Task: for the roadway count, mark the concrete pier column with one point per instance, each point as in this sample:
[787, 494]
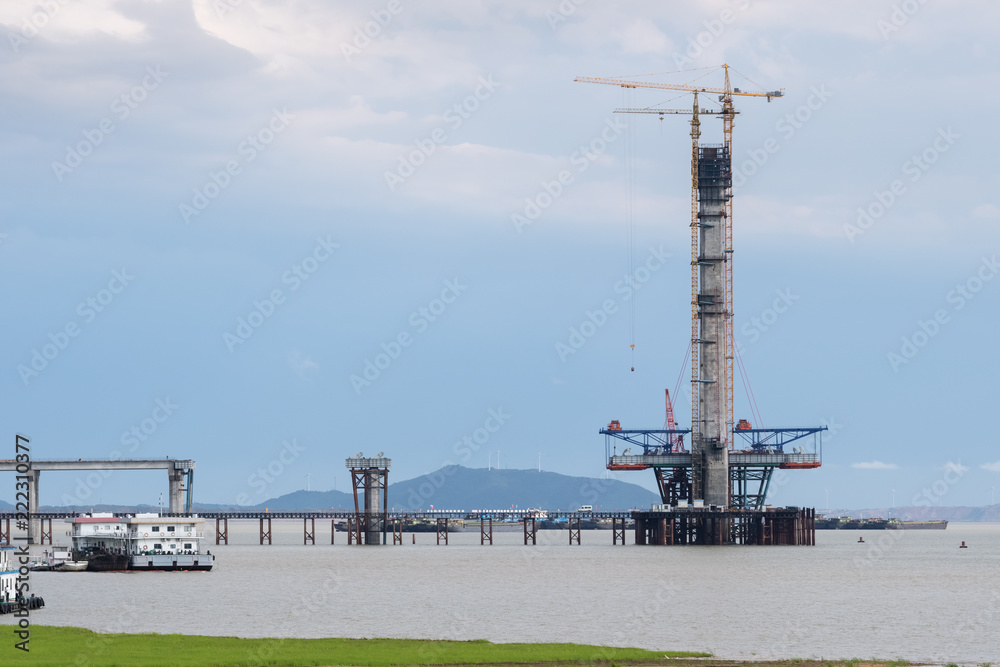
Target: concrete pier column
[373, 507]
[711, 470]
[34, 523]
[176, 490]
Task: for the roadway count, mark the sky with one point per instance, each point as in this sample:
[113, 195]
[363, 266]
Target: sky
[267, 235]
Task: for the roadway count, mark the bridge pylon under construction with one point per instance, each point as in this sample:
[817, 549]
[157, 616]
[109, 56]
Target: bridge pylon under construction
[716, 493]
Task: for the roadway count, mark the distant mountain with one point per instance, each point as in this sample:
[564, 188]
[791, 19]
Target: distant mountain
[456, 487]
[310, 500]
[5, 506]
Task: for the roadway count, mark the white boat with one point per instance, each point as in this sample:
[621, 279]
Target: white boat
[12, 594]
[140, 542]
[8, 574]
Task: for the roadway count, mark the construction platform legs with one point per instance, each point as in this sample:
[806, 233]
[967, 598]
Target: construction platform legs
[485, 531]
[787, 526]
[530, 531]
[616, 532]
[574, 530]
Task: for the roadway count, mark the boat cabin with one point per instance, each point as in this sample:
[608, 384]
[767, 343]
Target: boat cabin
[153, 534]
[8, 574]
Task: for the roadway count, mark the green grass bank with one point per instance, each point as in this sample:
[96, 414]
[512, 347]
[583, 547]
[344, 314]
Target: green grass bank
[66, 647]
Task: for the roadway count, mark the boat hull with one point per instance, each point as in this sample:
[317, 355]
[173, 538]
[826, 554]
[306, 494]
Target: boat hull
[920, 525]
[172, 562]
[108, 563]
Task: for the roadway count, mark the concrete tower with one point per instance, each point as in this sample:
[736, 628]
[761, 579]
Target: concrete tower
[710, 454]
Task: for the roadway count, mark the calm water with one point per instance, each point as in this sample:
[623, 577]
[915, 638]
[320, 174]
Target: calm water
[917, 596]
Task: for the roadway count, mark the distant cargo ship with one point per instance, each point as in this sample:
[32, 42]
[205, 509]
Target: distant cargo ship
[878, 523]
[918, 525]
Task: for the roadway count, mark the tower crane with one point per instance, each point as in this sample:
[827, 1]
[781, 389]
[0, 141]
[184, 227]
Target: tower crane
[727, 113]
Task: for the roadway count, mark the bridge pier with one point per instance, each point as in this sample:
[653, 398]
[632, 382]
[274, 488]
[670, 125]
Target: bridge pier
[176, 490]
[34, 523]
[574, 533]
[224, 533]
[485, 532]
[5, 534]
[442, 529]
[530, 533]
[617, 533]
[308, 533]
[371, 477]
[265, 534]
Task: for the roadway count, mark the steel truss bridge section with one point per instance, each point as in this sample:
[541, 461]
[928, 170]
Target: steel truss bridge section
[775, 439]
[766, 447]
[750, 469]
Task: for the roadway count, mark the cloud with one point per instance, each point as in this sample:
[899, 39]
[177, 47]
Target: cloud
[992, 467]
[986, 212]
[874, 465]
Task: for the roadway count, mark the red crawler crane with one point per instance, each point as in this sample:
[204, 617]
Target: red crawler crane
[676, 440]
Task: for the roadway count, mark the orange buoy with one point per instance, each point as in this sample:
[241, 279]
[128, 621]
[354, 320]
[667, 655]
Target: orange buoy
[861, 540]
[963, 545]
